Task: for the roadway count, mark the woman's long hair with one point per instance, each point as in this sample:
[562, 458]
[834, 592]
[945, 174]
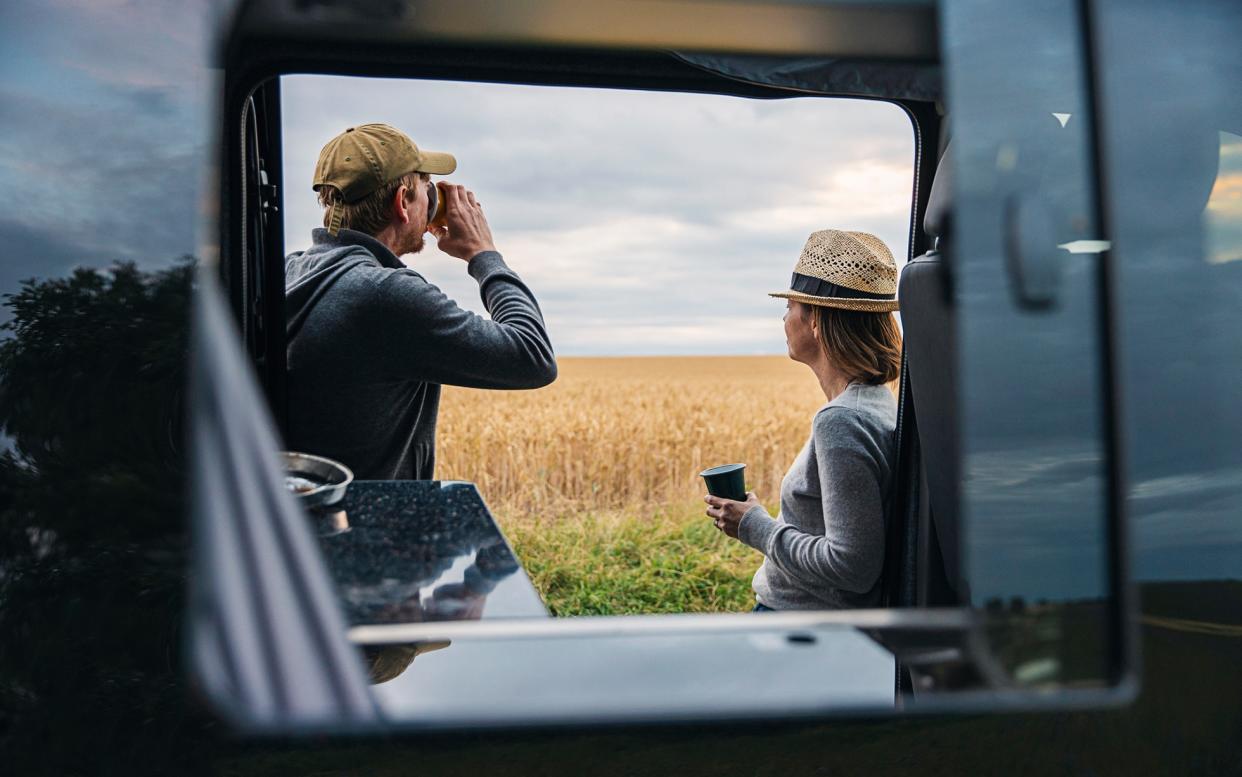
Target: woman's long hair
[864, 346]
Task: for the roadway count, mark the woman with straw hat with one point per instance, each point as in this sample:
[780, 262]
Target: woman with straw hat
[826, 548]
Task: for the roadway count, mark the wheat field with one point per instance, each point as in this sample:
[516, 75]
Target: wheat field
[594, 479]
[627, 433]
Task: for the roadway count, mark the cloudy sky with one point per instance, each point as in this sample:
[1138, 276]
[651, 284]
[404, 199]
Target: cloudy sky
[86, 111]
[645, 223]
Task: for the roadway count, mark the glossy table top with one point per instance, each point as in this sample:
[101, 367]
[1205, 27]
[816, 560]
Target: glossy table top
[419, 551]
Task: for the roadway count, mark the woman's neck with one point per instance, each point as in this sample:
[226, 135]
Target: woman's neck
[831, 381]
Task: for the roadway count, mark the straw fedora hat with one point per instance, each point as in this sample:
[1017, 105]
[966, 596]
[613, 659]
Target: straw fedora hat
[849, 270]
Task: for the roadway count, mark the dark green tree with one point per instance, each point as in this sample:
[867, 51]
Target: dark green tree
[93, 530]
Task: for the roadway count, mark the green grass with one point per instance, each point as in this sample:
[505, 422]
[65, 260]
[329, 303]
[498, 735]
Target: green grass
[621, 564]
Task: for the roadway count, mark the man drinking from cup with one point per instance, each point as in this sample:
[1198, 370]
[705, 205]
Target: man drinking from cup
[370, 341]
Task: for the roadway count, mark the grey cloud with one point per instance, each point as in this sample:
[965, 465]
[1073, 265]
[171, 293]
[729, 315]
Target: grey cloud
[97, 38]
[149, 157]
[1195, 513]
[634, 210]
[124, 188]
[33, 253]
[1034, 521]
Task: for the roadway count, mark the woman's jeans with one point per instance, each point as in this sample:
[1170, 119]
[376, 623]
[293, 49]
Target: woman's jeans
[762, 608]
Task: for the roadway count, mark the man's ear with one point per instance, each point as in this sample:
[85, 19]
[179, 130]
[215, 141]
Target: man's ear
[400, 206]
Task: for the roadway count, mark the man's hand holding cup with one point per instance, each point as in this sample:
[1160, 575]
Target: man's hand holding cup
[465, 233]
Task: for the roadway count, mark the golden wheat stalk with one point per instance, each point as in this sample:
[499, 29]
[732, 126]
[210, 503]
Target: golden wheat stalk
[627, 433]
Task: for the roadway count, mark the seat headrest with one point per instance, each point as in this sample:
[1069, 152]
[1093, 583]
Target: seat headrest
[938, 203]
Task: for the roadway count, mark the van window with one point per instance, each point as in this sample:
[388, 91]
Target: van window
[649, 226]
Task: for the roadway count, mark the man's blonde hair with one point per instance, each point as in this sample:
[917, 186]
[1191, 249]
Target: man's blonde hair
[371, 213]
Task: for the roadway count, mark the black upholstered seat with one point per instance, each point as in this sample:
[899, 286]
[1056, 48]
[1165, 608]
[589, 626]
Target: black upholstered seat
[928, 322]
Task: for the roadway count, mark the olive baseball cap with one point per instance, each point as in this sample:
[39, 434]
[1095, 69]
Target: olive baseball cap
[362, 159]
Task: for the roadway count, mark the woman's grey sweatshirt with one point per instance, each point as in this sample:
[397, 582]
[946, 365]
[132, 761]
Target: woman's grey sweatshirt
[370, 341]
[826, 550]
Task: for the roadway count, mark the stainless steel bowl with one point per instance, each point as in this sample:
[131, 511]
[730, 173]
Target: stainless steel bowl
[318, 483]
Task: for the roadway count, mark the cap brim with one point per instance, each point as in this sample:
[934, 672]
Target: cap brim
[436, 163]
[844, 303]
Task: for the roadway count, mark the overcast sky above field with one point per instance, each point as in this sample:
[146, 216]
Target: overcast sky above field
[645, 223]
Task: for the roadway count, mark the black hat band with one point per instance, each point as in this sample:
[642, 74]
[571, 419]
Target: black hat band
[817, 287]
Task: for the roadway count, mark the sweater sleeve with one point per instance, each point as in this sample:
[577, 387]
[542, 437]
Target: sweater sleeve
[430, 338]
[850, 553]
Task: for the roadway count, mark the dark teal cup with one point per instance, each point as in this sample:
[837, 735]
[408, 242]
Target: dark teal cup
[727, 481]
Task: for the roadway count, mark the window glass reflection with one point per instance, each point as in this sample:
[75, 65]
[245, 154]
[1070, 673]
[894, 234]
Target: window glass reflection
[1223, 215]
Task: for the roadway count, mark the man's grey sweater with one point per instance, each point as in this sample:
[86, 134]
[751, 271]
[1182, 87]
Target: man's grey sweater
[370, 341]
[826, 550]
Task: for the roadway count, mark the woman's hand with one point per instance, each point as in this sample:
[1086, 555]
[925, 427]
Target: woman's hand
[728, 513]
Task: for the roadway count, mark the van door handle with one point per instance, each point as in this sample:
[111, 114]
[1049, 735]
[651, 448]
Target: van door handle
[1035, 263]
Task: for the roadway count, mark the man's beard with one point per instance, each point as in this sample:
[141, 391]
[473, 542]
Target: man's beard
[412, 246]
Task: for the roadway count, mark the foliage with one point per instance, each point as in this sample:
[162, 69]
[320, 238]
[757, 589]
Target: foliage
[92, 535]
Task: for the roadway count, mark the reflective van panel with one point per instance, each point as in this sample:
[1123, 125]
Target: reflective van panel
[1174, 165]
[1026, 258]
[104, 139]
